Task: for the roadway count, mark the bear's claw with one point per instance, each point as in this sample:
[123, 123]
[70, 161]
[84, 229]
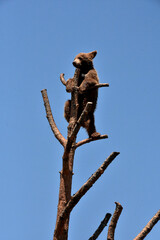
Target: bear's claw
[95, 135]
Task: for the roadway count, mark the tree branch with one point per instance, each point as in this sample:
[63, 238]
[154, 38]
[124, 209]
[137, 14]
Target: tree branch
[62, 79]
[88, 140]
[50, 118]
[80, 120]
[148, 227]
[102, 225]
[76, 128]
[100, 85]
[81, 192]
[114, 220]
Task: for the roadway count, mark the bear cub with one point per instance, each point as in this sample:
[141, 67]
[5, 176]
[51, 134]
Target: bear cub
[87, 79]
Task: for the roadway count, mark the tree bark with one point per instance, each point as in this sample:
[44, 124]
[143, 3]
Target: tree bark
[114, 220]
[148, 227]
[102, 225]
[61, 233]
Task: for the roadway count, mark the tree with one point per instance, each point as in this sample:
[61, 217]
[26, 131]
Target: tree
[67, 201]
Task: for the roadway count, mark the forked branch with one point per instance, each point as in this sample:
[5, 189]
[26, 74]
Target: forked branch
[102, 225]
[148, 227]
[50, 118]
[114, 220]
[82, 191]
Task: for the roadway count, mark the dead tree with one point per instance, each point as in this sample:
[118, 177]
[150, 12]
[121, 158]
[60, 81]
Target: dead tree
[67, 201]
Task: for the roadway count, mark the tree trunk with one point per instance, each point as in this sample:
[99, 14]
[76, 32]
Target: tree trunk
[61, 233]
[64, 197]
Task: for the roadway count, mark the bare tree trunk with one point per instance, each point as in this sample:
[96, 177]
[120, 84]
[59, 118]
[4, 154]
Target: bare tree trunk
[66, 174]
[64, 197]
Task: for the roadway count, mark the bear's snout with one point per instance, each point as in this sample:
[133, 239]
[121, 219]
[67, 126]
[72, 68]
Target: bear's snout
[73, 63]
[76, 62]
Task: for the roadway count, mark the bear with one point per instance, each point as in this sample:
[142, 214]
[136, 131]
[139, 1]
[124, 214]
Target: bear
[88, 78]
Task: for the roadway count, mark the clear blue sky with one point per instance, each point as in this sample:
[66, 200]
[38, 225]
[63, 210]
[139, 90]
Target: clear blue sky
[39, 40]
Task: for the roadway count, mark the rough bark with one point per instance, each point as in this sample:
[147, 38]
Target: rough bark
[148, 227]
[88, 140]
[82, 191]
[61, 230]
[102, 225]
[114, 220]
[50, 118]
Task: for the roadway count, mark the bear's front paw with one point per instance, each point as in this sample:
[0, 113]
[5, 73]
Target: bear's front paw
[95, 135]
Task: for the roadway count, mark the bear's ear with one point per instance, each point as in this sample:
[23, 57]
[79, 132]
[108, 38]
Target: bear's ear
[92, 54]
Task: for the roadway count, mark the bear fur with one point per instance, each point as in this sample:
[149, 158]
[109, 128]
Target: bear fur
[87, 79]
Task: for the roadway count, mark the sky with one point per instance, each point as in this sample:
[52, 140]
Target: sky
[38, 41]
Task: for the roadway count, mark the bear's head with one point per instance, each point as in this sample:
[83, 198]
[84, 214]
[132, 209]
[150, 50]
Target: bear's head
[84, 60]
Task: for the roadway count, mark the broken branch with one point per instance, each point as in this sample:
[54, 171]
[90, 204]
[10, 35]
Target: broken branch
[102, 225]
[114, 220]
[62, 79]
[50, 118]
[100, 85]
[148, 227]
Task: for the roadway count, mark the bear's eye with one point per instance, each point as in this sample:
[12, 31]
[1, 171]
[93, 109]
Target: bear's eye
[80, 58]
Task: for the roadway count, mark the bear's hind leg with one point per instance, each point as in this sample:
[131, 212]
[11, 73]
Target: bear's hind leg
[90, 127]
[67, 110]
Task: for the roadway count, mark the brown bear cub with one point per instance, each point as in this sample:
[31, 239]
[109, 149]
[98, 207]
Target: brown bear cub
[88, 78]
